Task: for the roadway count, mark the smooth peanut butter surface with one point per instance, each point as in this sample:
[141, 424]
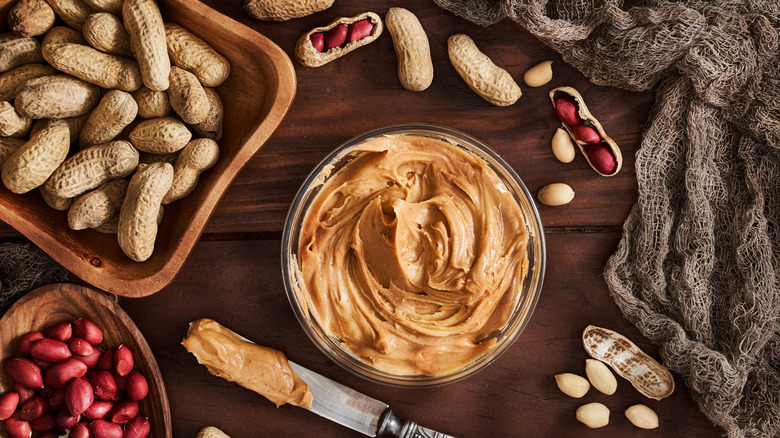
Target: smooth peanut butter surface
[231, 357]
[413, 255]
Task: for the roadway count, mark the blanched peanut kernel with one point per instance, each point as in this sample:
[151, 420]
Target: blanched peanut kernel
[572, 384]
[593, 415]
[642, 417]
[539, 74]
[600, 376]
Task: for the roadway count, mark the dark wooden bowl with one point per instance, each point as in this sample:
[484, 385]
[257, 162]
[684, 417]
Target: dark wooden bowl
[256, 96]
[48, 305]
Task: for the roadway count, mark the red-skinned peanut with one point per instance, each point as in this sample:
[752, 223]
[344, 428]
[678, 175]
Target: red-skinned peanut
[335, 37]
[34, 408]
[602, 158]
[49, 350]
[24, 371]
[44, 423]
[566, 110]
[8, 403]
[17, 428]
[123, 360]
[318, 41]
[138, 427]
[359, 30]
[100, 409]
[65, 419]
[57, 399]
[80, 430]
[61, 332]
[93, 359]
[25, 342]
[586, 134]
[24, 392]
[104, 385]
[136, 386]
[88, 331]
[80, 347]
[106, 362]
[124, 411]
[61, 373]
[105, 429]
[79, 396]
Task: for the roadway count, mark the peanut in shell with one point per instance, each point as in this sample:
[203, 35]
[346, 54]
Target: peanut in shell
[144, 25]
[106, 32]
[589, 121]
[283, 10]
[309, 56]
[415, 68]
[489, 81]
[191, 53]
[56, 97]
[137, 228]
[32, 164]
[31, 17]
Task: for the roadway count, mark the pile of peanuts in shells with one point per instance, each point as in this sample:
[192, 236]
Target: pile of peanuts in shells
[135, 93]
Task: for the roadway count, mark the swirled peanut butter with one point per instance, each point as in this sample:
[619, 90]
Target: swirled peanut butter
[230, 356]
[413, 255]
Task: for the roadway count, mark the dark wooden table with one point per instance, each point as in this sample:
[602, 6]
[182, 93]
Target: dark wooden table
[234, 275]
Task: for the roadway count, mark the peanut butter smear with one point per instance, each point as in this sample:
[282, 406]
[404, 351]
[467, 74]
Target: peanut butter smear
[413, 255]
[263, 370]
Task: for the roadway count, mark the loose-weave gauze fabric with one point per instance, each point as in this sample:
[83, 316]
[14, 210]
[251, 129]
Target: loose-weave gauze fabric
[698, 266]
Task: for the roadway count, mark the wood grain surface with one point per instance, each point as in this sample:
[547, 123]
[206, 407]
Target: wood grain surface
[234, 276]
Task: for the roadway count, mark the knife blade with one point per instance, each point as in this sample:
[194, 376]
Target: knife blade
[357, 411]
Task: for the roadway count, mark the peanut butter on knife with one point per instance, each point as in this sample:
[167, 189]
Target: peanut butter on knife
[234, 358]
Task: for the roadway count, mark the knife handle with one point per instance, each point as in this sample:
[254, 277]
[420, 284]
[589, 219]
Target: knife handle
[390, 425]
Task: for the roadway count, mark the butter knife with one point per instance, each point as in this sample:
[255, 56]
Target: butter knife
[357, 411]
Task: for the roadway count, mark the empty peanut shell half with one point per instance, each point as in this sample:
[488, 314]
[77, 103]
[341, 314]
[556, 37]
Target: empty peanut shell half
[648, 376]
[323, 44]
[601, 152]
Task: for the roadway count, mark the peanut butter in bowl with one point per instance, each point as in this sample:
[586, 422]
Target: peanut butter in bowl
[413, 255]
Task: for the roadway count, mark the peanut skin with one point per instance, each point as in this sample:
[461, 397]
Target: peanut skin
[195, 55]
[137, 229]
[196, 157]
[491, 82]
[58, 203]
[276, 10]
[415, 68]
[145, 26]
[33, 163]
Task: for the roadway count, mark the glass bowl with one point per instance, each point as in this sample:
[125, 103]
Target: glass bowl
[331, 344]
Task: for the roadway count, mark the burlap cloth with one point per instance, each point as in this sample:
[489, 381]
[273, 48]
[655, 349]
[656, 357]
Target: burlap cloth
[24, 267]
[698, 266]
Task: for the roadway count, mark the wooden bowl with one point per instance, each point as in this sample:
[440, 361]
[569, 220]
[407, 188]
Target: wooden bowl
[256, 96]
[51, 304]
